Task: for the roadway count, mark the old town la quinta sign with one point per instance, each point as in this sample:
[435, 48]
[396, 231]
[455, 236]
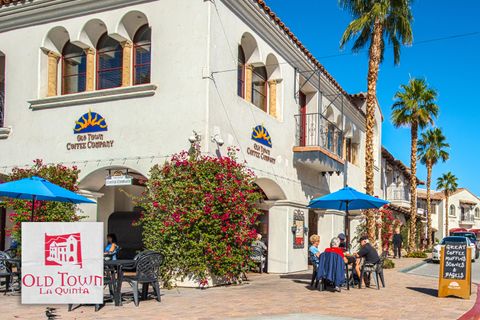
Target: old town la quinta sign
[261, 149]
[62, 262]
[89, 130]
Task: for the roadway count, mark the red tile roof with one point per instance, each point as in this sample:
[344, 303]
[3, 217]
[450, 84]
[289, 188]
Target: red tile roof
[291, 35]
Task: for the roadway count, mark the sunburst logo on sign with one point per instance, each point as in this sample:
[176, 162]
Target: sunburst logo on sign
[261, 135]
[90, 122]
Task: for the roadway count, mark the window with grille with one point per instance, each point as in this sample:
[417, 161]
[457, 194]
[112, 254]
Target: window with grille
[2, 89]
[74, 69]
[241, 73]
[109, 63]
[259, 87]
[142, 46]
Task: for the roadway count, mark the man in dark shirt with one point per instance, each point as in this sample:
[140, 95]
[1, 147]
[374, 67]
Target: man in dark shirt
[367, 252]
[397, 244]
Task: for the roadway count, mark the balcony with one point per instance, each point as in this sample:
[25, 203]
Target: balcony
[319, 143]
[398, 196]
[467, 219]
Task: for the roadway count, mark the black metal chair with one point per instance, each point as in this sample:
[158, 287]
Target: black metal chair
[314, 282]
[107, 281]
[258, 256]
[147, 268]
[6, 271]
[376, 269]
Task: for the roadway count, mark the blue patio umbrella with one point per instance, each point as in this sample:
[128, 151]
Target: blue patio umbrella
[36, 188]
[346, 199]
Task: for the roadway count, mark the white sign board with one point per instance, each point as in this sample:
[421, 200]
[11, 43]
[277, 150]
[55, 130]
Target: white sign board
[118, 181]
[62, 262]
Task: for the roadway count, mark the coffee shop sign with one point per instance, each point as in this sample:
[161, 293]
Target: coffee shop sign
[263, 144]
[89, 130]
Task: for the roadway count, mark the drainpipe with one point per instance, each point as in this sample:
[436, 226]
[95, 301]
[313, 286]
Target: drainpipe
[207, 75]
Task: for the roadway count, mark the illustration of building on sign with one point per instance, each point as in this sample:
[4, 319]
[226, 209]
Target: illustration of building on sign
[61, 250]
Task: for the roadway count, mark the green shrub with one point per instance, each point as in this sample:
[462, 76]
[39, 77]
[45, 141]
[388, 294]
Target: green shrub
[388, 264]
[200, 212]
[45, 211]
[416, 254]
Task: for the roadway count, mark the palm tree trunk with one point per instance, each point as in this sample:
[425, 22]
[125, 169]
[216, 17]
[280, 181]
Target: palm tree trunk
[429, 214]
[413, 187]
[446, 215]
[374, 62]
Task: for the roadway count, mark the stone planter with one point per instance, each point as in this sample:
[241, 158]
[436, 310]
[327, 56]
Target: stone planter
[192, 282]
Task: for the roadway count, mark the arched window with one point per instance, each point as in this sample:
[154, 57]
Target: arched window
[241, 73]
[2, 88]
[259, 87]
[109, 62]
[452, 210]
[142, 48]
[74, 69]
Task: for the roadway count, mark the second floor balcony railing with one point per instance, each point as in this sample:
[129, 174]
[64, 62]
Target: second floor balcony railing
[2, 106]
[398, 194]
[314, 130]
[467, 217]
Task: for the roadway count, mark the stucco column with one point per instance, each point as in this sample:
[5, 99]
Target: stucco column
[272, 95]
[127, 63]
[52, 73]
[90, 69]
[248, 82]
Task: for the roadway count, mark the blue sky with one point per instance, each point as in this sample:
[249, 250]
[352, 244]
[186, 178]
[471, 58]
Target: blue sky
[451, 66]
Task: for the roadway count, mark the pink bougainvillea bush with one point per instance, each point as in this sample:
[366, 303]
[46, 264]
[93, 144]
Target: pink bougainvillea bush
[45, 211]
[200, 212]
[388, 226]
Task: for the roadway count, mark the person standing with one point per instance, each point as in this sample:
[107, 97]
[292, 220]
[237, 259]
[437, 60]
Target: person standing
[397, 244]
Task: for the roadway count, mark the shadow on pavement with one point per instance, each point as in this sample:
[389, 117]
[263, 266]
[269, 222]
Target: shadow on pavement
[429, 291]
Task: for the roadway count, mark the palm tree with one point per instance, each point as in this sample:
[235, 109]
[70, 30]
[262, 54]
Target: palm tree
[448, 184]
[431, 149]
[415, 108]
[375, 23]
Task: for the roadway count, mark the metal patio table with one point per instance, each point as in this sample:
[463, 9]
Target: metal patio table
[116, 268]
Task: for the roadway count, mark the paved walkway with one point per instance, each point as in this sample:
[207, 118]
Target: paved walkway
[286, 297]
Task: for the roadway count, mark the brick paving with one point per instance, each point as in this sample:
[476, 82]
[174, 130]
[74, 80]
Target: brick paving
[267, 296]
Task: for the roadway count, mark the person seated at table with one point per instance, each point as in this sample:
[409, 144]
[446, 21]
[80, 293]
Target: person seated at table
[110, 251]
[313, 250]
[343, 242]
[258, 243]
[367, 252]
[335, 248]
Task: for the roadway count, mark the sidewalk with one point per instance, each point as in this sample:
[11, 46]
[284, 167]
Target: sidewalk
[269, 296]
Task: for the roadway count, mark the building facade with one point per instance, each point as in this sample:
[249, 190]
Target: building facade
[463, 211]
[116, 86]
[396, 187]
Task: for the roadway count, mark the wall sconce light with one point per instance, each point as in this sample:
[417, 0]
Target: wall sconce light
[294, 229]
[218, 140]
[305, 230]
[195, 137]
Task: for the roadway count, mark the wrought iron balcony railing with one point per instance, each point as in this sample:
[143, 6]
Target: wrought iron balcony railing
[314, 130]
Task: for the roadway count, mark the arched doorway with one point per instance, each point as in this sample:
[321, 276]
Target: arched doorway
[115, 187]
[271, 192]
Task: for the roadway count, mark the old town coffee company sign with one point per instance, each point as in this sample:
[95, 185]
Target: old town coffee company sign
[90, 131]
[262, 144]
[62, 262]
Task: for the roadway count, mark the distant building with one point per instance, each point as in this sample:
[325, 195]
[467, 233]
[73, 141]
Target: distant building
[463, 211]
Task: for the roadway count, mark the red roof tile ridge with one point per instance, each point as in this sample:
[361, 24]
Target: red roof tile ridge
[294, 38]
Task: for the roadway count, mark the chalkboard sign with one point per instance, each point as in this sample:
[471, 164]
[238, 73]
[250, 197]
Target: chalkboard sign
[455, 260]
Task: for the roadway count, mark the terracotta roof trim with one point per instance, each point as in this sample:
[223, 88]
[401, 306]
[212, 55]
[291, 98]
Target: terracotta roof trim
[300, 45]
[392, 160]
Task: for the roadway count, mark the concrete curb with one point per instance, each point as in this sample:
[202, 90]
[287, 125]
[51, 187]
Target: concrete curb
[410, 268]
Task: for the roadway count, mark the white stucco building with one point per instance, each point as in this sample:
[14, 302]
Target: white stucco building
[463, 211]
[118, 85]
